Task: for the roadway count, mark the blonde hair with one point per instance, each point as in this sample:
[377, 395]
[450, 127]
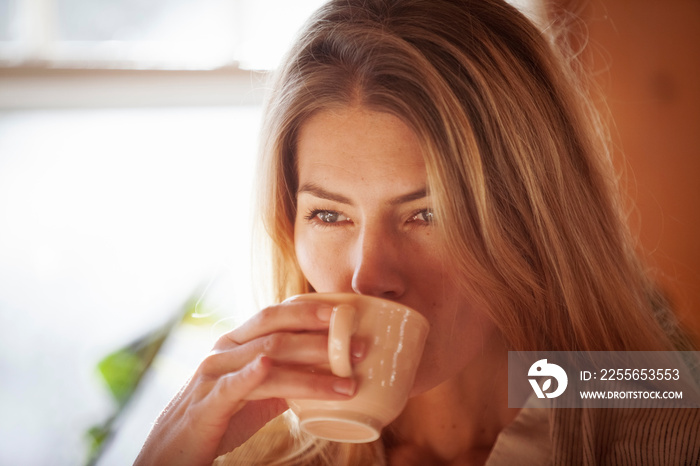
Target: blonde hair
[518, 167]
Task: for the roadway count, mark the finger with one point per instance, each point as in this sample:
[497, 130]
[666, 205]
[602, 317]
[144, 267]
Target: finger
[232, 390]
[282, 348]
[201, 422]
[291, 316]
[299, 349]
[287, 382]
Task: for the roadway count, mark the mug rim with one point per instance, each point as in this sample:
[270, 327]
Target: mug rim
[328, 296]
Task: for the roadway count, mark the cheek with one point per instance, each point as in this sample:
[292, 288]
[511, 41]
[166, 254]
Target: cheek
[319, 262]
[307, 258]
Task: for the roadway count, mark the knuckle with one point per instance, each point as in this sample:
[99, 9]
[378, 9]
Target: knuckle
[266, 316]
[226, 384]
[210, 363]
[271, 344]
[224, 341]
[321, 386]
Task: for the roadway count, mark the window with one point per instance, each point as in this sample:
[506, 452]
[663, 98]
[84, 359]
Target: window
[160, 34]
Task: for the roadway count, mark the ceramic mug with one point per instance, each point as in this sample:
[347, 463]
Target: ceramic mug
[394, 336]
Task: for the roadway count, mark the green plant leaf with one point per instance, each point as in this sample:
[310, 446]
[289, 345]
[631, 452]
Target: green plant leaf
[123, 369]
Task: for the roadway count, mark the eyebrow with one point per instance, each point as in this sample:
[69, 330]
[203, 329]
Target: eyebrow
[317, 191]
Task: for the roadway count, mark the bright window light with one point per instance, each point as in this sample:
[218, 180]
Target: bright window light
[162, 34]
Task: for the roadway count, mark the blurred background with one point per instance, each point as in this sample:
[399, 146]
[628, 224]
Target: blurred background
[128, 134]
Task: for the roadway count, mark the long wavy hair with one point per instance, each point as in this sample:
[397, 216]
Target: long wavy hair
[518, 164]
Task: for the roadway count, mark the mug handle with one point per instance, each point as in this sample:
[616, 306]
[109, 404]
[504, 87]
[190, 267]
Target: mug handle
[342, 326]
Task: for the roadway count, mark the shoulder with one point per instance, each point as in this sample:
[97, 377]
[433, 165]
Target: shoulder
[622, 436]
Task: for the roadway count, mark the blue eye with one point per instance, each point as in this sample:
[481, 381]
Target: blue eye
[425, 216]
[328, 217]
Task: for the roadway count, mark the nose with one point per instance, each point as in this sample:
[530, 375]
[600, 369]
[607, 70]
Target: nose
[377, 267]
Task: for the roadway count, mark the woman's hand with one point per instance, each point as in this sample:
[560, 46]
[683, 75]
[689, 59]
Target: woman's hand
[243, 382]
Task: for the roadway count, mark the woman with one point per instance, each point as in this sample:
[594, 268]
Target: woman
[436, 153]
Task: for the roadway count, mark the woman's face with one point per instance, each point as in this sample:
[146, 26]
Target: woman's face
[364, 224]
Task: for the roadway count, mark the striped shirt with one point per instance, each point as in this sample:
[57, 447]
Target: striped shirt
[589, 436]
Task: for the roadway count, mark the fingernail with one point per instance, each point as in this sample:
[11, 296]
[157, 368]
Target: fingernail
[345, 386]
[324, 313]
[357, 350]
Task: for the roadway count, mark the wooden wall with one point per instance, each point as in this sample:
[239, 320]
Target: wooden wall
[647, 54]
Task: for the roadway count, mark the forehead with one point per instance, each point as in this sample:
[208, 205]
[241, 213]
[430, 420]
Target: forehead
[359, 145]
